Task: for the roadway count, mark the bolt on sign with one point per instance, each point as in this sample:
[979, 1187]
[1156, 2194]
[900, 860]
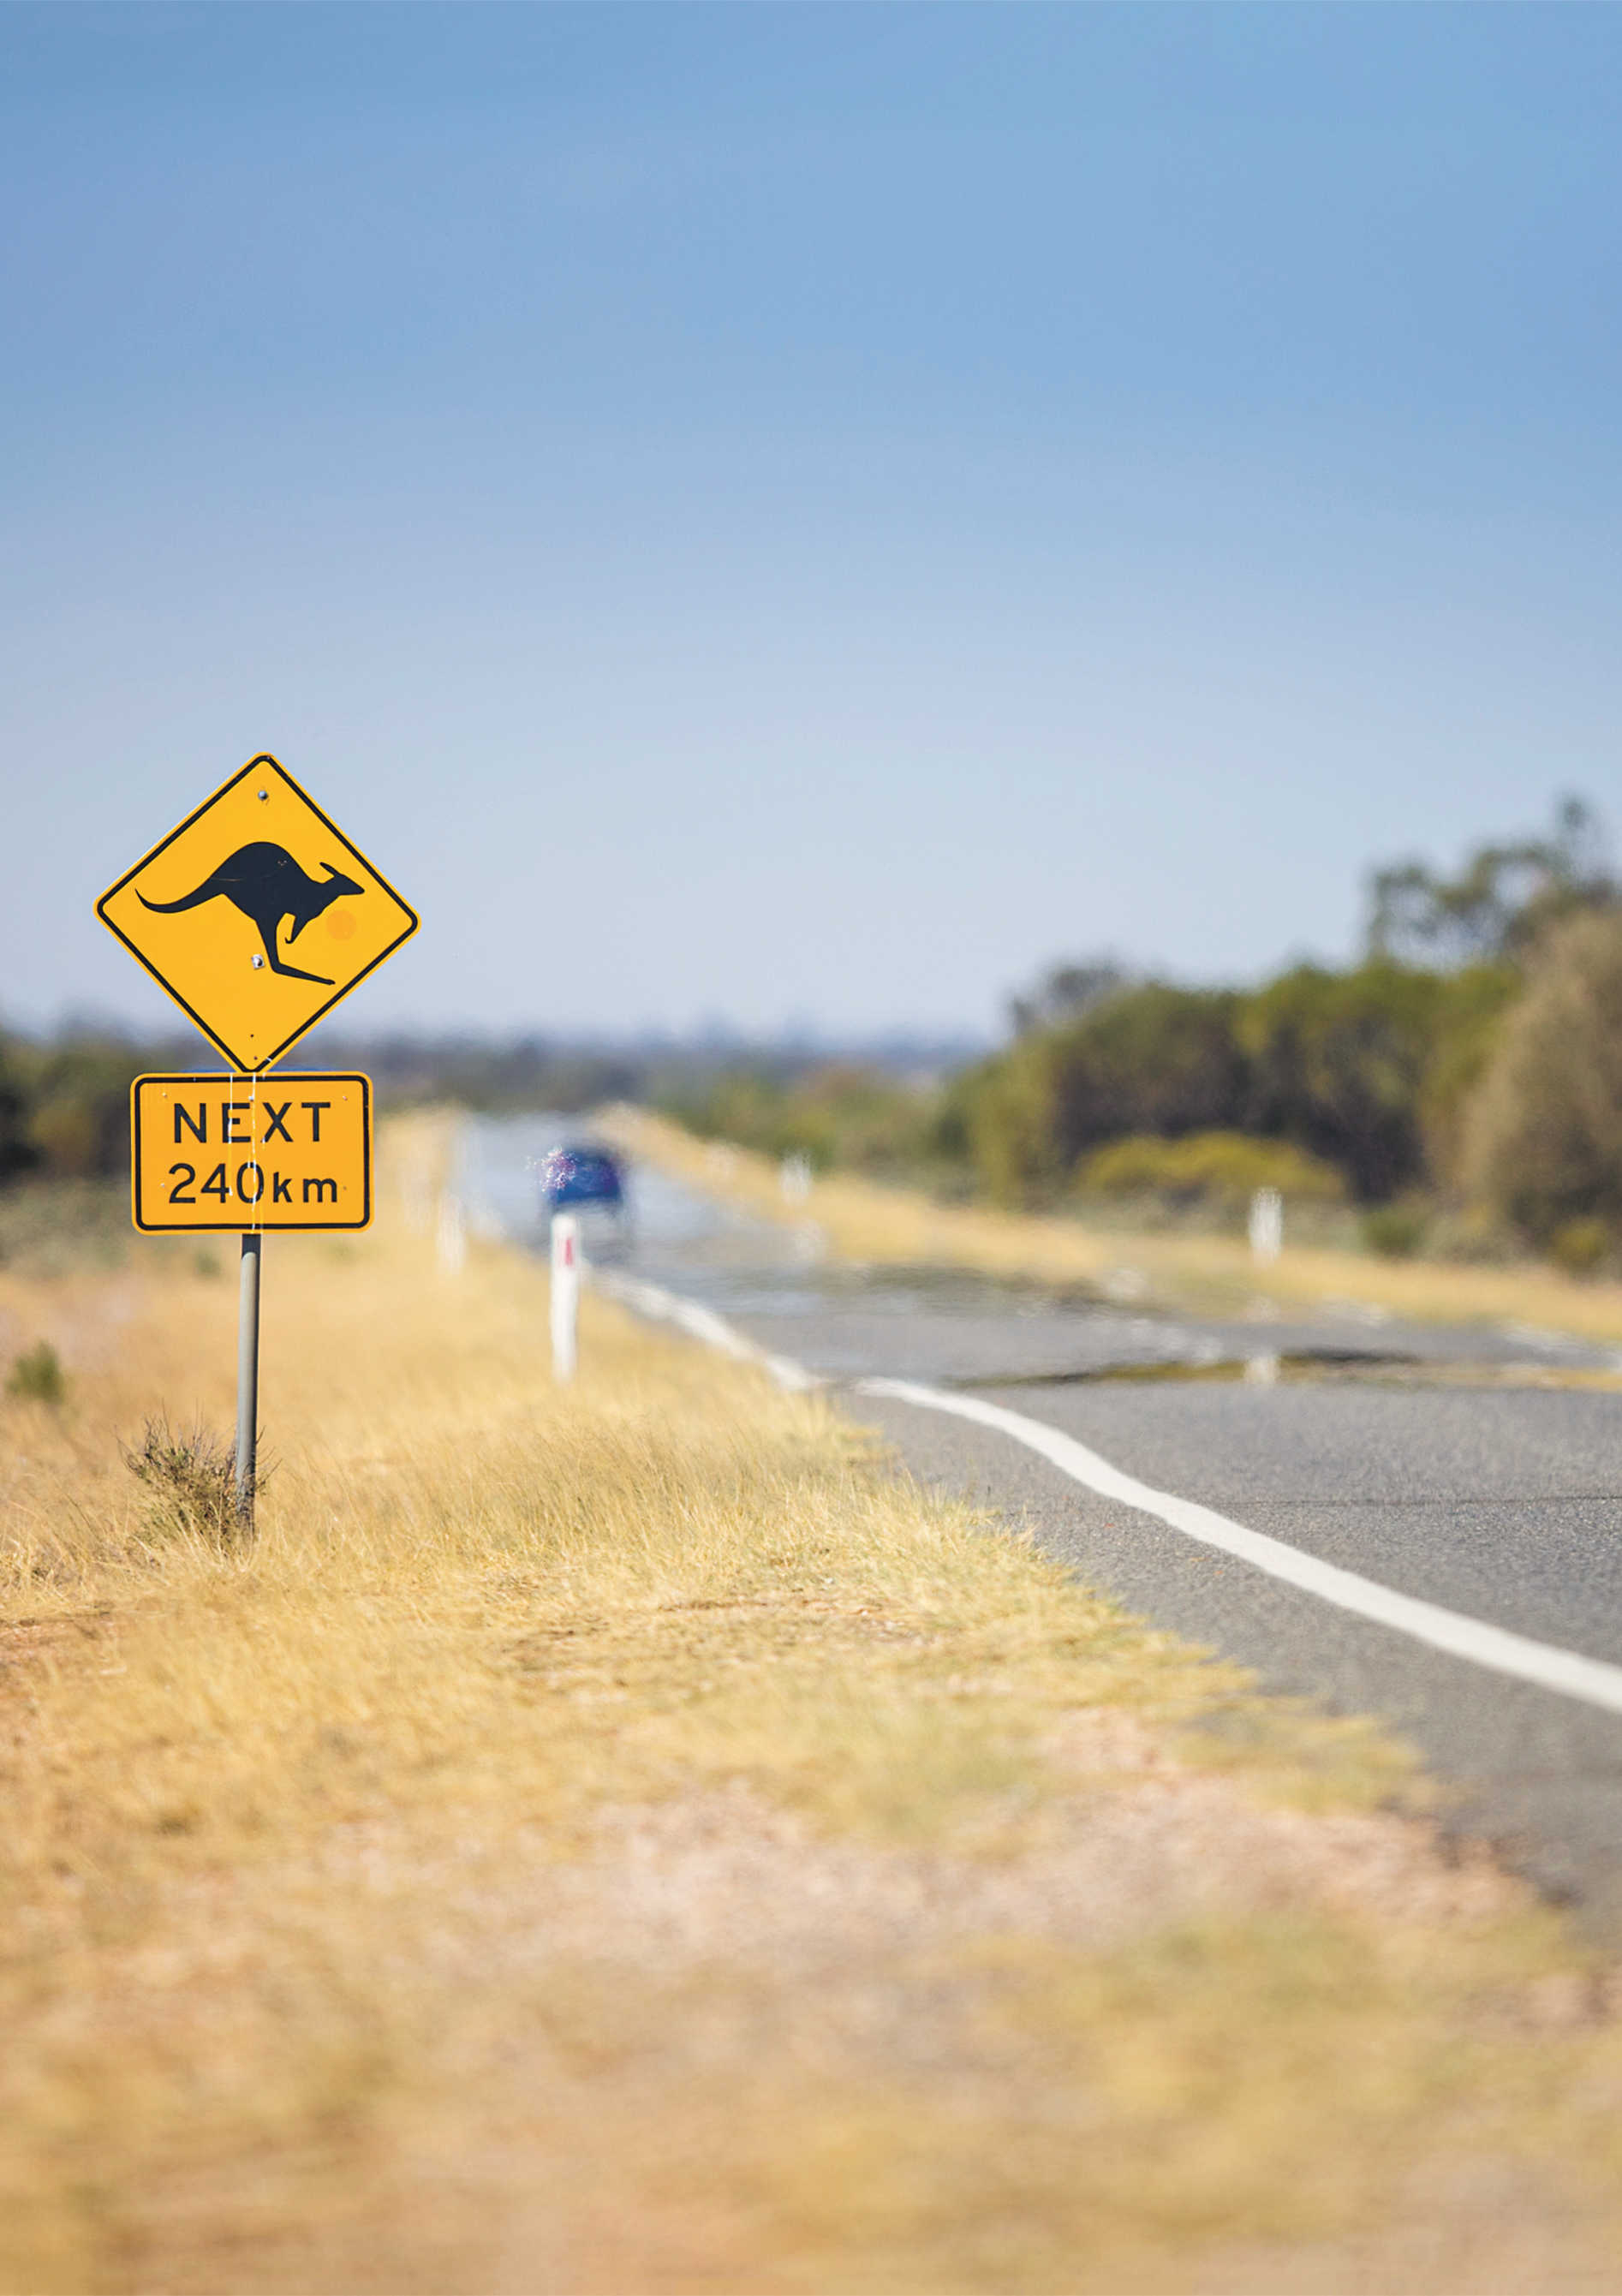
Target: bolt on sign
[257, 915]
[250, 1153]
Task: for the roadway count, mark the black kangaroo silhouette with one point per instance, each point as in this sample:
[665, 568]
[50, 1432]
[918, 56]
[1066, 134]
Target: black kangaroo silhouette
[266, 883]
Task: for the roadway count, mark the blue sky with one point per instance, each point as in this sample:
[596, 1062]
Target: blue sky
[804, 513]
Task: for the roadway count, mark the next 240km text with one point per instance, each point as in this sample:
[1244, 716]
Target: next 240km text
[250, 1153]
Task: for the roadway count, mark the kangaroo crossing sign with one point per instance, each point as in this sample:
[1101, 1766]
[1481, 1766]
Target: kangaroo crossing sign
[216, 913]
[248, 1153]
[257, 915]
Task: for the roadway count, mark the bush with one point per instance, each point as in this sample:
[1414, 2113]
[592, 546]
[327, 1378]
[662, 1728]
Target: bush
[1218, 1168]
[190, 1480]
[67, 1130]
[1543, 1129]
[1394, 1231]
[1361, 1070]
[18, 1152]
[1007, 1113]
[37, 1376]
[1471, 1238]
[1580, 1246]
[1151, 1059]
[79, 1122]
[1340, 1062]
[1468, 1023]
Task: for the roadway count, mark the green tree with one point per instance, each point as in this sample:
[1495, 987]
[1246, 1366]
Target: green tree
[79, 1120]
[1338, 1064]
[1363, 1070]
[1153, 1059]
[1064, 993]
[1009, 1120]
[1502, 900]
[1543, 1129]
[17, 1150]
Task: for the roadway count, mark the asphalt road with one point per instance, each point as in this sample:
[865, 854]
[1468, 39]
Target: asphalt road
[1422, 1460]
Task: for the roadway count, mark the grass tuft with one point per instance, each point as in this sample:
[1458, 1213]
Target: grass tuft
[190, 1482]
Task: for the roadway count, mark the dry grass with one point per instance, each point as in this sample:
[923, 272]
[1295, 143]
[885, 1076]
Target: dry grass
[879, 1224]
[631, 1839]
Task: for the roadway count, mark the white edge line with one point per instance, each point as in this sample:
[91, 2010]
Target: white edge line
[1544, 1664]
[1549, 1668]
[653, 1300]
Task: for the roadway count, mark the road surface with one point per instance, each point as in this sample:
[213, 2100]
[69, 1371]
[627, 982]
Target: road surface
[1427, 1464]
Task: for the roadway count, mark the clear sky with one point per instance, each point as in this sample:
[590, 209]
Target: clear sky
[804, 513]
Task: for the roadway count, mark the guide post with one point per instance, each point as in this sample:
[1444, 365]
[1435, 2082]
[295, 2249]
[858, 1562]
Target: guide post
[565, 1293]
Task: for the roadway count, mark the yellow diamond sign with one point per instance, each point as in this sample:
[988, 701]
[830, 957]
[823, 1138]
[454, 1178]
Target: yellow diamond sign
[257, 914]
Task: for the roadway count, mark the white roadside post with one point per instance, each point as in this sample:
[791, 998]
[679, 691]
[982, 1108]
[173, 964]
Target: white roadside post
[450, 1236]
[565, 1292]
[1266, 1226]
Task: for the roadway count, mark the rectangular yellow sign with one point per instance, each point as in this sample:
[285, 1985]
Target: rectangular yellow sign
[249, 1152]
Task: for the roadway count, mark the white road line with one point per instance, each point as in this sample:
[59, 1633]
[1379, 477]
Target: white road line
[1544, 1664]
[651, 1299]
[1590, 1679]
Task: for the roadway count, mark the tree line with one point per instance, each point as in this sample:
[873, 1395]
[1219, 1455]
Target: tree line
[1471, 1060]
[64, 1100]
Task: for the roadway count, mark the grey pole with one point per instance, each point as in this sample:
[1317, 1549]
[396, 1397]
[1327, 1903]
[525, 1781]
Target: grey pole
[248, 1381]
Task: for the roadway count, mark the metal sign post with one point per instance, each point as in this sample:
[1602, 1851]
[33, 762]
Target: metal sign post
[247, 1381]
[208, 1153]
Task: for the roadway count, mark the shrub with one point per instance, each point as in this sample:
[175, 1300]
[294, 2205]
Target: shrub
[1470, 1022]
[79, 1088]
[17, 1151]
[1358, 1070]
[1579, 1246]
[1219, 1169]
[1543, 1129]
[67, 1130]
[1150, 1059]
[1394, 1231]
[1010, 1120]
[1339, 1061]
[1471, 1237]
[1153, 1059]
[190, 1480]
[37, 1376]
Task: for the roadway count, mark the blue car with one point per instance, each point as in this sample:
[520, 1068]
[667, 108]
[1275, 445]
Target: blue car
[570, 1176]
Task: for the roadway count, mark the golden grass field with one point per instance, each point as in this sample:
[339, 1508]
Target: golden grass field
[865, 1221]
[630, 1839]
